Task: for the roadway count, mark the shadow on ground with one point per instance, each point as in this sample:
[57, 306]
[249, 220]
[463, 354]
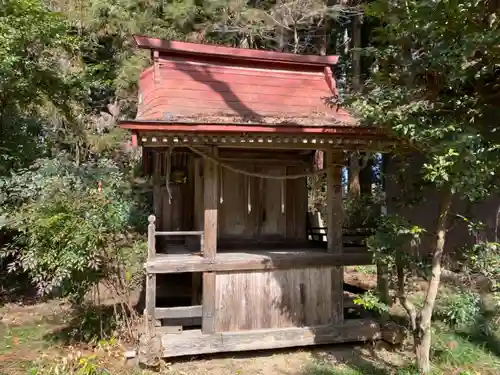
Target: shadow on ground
[361, 360]
[90, 324]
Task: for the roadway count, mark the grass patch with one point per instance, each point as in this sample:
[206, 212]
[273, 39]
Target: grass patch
[325, 369]
[467, 350]
[359, 367]
[20, 346]
[366, 270]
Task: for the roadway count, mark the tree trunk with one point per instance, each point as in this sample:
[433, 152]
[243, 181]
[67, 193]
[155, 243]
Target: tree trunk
[383, 284]
[356, 53]
[316, 181]
[354, 169]
[422, 351]
[422, 335]
[366, 177]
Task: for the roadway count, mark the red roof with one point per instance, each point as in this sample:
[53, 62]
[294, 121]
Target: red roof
[174, 47]
[211, 84]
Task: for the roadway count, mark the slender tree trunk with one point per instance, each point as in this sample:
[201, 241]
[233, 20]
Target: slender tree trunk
[422, 335]
[383, 284]
[422, 352]
[354, 169]
[316, 181]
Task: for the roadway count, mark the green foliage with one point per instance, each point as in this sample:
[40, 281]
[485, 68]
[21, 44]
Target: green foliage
[433, 84]
[395, 237]
[371, 302]
[32, 39]
[459, 309]
[363, 211]
[452, 350]
[70, 236]
[366, 270]
[483, 256]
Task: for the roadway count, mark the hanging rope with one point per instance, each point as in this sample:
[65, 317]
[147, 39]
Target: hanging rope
[282, 193]
[249, 196]
[169, 167]
[221, 184]
[260, 175]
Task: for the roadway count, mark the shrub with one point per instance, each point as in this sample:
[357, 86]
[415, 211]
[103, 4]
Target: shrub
[71, 236]
[459, 309]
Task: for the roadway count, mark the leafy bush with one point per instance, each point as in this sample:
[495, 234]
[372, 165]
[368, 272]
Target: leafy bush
[393, 238]
[371, 302]
[362, 212]
[70, 235]
[458, 309]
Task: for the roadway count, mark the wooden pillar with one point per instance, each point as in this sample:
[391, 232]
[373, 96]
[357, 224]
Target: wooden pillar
[334, 225]
[198, 225]
[211, 201]
[157, 191]
[198, 195]
[150, 305]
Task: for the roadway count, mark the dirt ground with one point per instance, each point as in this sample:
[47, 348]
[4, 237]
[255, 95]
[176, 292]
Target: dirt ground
[29, 332]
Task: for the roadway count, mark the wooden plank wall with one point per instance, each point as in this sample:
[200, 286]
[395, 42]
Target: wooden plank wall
[251, 207]
[175, 213]
[273, 299]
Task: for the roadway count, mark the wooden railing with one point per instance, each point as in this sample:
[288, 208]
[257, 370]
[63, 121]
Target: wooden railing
[151, 313]
[350, 237]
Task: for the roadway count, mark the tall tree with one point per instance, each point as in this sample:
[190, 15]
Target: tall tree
[436, 85]
[36, 49]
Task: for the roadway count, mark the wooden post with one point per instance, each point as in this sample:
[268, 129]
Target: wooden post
[211, 202]
[198, 225]
[149, 313]
[157, 190]
[334, 225]
[198, 195]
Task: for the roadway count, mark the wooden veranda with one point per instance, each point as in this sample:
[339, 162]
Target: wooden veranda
[228, 137]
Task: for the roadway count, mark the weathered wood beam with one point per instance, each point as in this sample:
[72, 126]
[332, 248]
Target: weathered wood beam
[150, 303]
[181, 233]
[286, 261]
[334, 229]
[375, 146]
[211, 203]
[209, 311]
[178, 312]
[194, 342]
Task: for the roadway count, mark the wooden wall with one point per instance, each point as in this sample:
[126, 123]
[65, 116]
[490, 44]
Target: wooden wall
[249, 207]
[253, 207]
[273, 299]
[174, 210]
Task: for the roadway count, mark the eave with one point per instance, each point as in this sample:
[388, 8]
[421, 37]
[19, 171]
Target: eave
[240, 54]
[167, 134]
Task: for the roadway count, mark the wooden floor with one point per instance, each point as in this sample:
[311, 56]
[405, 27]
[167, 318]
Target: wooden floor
[240, 260]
